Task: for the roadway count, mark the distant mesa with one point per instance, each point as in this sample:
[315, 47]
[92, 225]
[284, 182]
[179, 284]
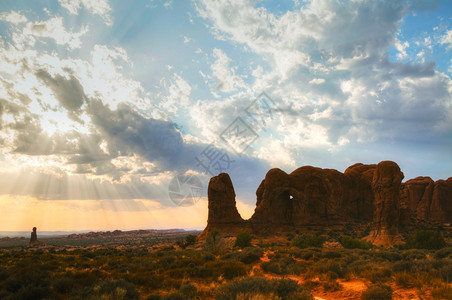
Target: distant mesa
[369, 198]
[34, 242]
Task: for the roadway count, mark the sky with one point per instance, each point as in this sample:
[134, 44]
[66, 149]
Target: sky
[115, 114]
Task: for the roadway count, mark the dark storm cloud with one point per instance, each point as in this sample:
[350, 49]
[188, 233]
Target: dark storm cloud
[69, 92]
[128, 132]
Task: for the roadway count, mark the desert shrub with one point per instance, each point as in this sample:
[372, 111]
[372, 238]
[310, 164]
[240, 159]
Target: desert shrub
[306, 240]
[208, 257]
[388, 255]
[332, 267]
[349, 242]
[403, 266]
[175, 296]
[188, 290]
[284, 287]
[234, 269]
[28, 281]
[261, 288]
[378, 275]
[413, 254]
[442, 292]
[33, 292]
[331, 254]
[167, 260]
[115, 289]
[404, 280]
[280, 266]
[443, 253]
[144, 278]
[243, 240]
[307, 254]
[63, 285]
[445, 271]
[425, 239]
[190, 239]
[3, 274]
[377, 292]
[247, 256]
[251, 255]
[85, 278]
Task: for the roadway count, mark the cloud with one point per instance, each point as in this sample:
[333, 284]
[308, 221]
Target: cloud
[13, 17]
[401, 48]
[68, 91]
[128, 132]
[447, 39]
[178, 97]
[225, 75]
[96, 7]
[330, 71]
[53, 28]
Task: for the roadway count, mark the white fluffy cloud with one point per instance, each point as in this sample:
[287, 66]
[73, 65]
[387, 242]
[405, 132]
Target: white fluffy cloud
[331, 72]
[97, 7]
[224, 74]
[13, 17]
[447, 39]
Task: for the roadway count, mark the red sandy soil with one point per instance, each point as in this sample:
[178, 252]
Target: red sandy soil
[351, 289]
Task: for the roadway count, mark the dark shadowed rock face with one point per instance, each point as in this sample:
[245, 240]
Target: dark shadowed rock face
[313, 196]
[386, 188]
[34, 242]
[426, 202]
[223, 214]
[34, 236]
[362, 196]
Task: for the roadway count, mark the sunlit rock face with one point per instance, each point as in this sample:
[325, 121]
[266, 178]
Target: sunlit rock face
[365, 196]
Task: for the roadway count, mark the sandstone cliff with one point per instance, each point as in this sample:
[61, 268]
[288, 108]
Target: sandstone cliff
[365, 195]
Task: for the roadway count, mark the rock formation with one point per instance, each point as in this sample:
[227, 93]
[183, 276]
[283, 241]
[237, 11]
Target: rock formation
[426, 202]
[309, 197]
[386, 188]
[223, 214]
[34, 236]
[34, 239]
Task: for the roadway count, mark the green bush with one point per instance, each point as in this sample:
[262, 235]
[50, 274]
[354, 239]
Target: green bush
[306, 240]
[234, 269]
[443, 253]
[251, 255]
[115, 289]
[378, 275]
[425, 239]
[413, 254]
[188, 290]
[404, 280]
[278, 265]
[190, 240]
[63, 285]
[349, 242]
[377, 292]
[253, 287]
[243, 240]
